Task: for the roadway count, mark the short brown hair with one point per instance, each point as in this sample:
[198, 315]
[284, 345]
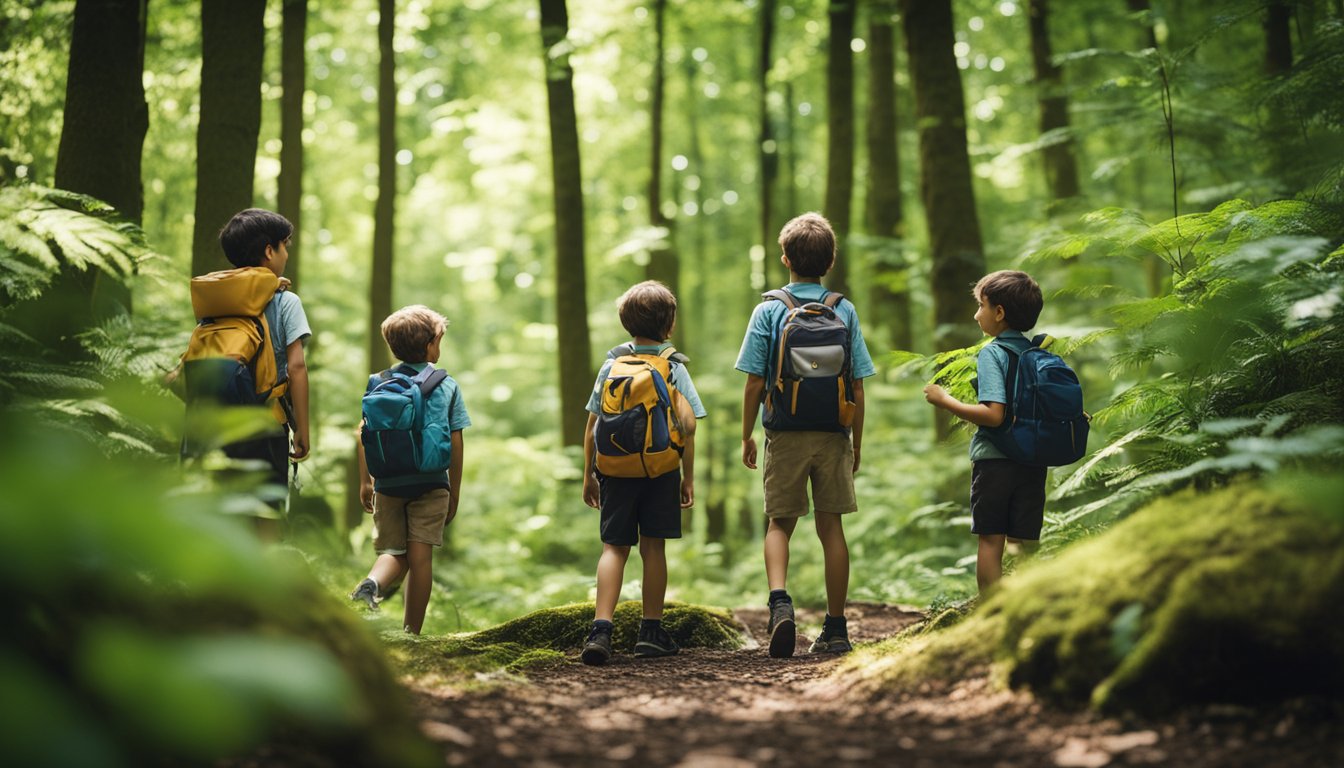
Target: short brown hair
[648, 309]
[409, 331]
[1016, 292]
[809, 242]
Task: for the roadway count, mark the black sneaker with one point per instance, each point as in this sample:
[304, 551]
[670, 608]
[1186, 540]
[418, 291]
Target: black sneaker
[783, 631]
[831, 641]
[654, 642]
[597, 649]
[366, 592]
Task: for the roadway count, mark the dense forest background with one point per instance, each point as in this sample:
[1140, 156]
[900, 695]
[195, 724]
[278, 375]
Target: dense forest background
[1172, 173]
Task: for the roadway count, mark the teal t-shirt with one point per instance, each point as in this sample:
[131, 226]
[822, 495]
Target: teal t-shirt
[991, 372]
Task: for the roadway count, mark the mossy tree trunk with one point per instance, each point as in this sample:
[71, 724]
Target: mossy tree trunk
[1061, 167]
[289, 197]
[380, 280]
[890, 291]
[840, 137]
[768, 151]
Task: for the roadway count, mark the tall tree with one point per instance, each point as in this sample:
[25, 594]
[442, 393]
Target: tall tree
[944, 168]
[1061, 168]
[380, 281]
[840, 136]
[1278, 38]
[765, 140]
[571, 302]
[233, 37]
[883, 213]
[289, 198]
[664, 264]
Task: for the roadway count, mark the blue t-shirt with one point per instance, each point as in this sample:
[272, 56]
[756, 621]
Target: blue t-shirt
[991, 372]
[447, 396]
[678, 377]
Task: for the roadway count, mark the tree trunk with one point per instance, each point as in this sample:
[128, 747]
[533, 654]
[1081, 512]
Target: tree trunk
[945, 170]
[1144, 7]
[1154, 269]
[766, 146]
[664, 264]
[890, 291]
[233, 37]
[289, 197]
[840, 137]
[380, 281]
[571, 303]
[1061, 168]
[1278, 38]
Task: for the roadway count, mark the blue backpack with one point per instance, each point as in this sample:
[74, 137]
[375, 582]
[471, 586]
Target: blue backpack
[402, 438]
[812, 387]
[1044, 423]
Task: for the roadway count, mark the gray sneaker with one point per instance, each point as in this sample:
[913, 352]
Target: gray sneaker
[655, 642]
[366, 592]
[831, 641]
[783, 631]
[597, 649]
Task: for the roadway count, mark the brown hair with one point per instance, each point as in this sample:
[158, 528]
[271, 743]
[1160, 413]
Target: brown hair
[648, 309]
[1016, 292]
[410, 330]
[809, 242]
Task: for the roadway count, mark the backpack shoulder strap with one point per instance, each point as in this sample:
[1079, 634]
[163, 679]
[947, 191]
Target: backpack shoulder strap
[1042, 340]
[429, 379]
[628, 348]
[832, 299]
[781, 294]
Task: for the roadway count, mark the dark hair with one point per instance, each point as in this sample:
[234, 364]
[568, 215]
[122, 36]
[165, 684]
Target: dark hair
[809, 242]
[1016, 292]
[648, 309]
[409, 331]
[247, 234]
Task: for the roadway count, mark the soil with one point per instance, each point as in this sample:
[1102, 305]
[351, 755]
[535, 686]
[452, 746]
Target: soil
[733, 709]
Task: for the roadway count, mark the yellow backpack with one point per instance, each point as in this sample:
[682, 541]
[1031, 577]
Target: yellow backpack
[637, 433]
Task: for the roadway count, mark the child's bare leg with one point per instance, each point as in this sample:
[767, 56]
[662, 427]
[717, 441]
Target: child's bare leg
[835, 553]
[388, 571]
[610, 569]
[419, 582]
[777, 535]
[654, 554]
[989, 560]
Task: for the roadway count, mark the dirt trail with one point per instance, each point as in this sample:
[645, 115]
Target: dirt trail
[719, 709]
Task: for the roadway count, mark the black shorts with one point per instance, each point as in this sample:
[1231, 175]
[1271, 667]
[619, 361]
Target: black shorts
[1007, 498]
[640, 506]
[273, 450]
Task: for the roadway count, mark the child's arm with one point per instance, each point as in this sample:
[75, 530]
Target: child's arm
[858, 422]
[365, 480]
[454, 476]
[751, 403]
[298, 396]
[591, 491]
[980, 414]
[686, 417]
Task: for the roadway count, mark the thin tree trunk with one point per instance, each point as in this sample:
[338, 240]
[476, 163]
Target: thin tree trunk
[571, 303]
[233, 37]
[840, 137]
[884, 216]
[664, 264]
[289, 197]
[1154, 268]
[384, 212]
[1278, 38]
[1061, 168]
[766, 147]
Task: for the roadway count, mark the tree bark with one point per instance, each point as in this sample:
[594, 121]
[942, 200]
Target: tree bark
[571, 303]
[664, 264]
[1061, 168]
[384, 212]
[840, 137]
[884, 216]
[1278, 38]
[765, 143]
[289, 197]
[233, 37]
[945, 170]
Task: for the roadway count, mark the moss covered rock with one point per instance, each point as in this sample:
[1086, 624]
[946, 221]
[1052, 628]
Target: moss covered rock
[1223, 596]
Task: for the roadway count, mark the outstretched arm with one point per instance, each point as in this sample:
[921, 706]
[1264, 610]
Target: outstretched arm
[980, 414]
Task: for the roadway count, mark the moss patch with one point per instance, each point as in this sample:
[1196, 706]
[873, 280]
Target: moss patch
[1222, 596]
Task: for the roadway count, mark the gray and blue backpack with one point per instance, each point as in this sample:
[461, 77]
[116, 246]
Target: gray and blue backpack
[812, 387]
[404, 440]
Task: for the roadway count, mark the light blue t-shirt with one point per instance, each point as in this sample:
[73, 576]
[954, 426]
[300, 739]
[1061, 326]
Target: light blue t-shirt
[755, 354]
[678, 377]
[293, 320]
[991, 372]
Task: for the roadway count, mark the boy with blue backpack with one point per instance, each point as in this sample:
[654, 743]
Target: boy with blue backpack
[805, 361]
[1030, 417]
[410, 461]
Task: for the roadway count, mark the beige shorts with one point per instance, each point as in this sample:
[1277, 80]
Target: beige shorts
[397, 521]
[794, 458]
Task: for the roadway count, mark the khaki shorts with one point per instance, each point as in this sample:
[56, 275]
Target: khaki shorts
[397, 521]
[794, 458]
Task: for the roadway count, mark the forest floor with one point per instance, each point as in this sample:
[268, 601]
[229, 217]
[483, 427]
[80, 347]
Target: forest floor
[733, 709]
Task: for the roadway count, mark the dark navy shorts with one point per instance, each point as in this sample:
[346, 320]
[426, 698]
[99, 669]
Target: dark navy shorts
[640, 506]
[1007, 498]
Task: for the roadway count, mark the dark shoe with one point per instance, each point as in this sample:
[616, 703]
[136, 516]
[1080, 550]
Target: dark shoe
[831, 641]
[783, 631]
[654, 642]
[366, 592]
[597, 649]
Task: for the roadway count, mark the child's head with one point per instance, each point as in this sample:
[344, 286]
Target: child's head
[809, 245]
[413, 334]
[1015, 292]
[256, 237]
[648, 310]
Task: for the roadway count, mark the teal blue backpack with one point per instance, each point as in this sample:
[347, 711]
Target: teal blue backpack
[403, 439]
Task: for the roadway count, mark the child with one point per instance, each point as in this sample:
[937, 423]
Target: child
[640, 509]
[1007, 498]
[825, 451]
[410, 511]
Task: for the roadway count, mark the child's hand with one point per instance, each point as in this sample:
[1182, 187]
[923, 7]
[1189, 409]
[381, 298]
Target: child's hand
[749, 452]
[284, 284]
[366, 496]
[687, 493]
[935, 395]
[300, 451]
[592, 493]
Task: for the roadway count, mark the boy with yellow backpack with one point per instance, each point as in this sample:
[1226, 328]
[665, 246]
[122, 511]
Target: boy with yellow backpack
[639, 463]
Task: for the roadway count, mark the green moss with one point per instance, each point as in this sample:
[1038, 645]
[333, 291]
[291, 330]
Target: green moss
[1229, 595]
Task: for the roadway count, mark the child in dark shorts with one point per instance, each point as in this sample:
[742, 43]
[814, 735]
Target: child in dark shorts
[640, 510]
[1007, 498]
